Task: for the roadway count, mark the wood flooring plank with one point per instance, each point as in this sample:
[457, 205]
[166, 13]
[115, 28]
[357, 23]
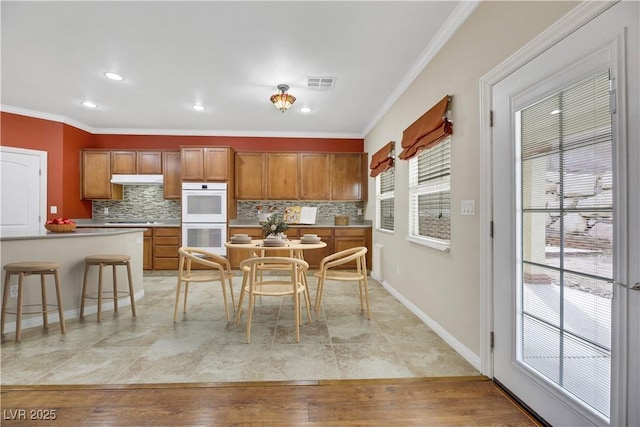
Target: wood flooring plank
[336, 403]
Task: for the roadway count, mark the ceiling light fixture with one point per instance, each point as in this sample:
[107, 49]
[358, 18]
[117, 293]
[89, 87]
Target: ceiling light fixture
[113, 76]
[89, 104]
[198, 107]
[283, 100]
[305, 109]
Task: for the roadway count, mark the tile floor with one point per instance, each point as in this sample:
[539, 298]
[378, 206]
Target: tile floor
[203, 347]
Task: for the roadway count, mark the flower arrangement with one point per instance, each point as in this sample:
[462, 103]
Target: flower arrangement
[275, 224]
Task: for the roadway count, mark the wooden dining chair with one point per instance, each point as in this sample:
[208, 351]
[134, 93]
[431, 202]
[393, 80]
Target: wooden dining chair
[218, 269]
[277, 286]
[333, 267]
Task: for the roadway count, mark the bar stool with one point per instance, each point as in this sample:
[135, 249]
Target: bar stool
[24, 269]
[101, 261]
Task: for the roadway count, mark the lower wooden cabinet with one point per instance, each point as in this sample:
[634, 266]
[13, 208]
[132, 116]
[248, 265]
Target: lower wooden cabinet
[336, 238]
[166, 241]
[147, 250]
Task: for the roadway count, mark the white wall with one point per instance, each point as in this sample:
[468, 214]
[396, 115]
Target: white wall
[445, 287]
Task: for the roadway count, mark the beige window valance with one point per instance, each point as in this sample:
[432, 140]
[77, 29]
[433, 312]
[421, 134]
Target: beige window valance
[431, 128]
[382, 160]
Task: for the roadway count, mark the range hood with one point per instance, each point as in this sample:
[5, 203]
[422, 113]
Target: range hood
[123, 179]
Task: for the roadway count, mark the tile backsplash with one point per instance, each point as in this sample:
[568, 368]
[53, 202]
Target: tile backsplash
[147, 202]
[326, 210]
[138, 202]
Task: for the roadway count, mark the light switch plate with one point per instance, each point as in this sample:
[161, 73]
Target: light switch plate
[468, 207]
[53, 209]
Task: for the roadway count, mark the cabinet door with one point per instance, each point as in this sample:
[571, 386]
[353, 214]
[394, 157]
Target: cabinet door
[237, 255]
[282, 176]
[193, 164]
[147, 250]
[172, 180]
[249, 172]
[315, 176]
[216, 164]
[345, 238]
[347, 176]
[314, 256]
[96, 176]
[150, 162]
[124, 162]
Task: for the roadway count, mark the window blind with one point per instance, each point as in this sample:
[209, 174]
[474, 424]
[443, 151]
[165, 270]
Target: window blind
[385, 200]
[567, 239]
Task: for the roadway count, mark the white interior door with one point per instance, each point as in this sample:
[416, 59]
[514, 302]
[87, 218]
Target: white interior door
[563, 218]
[23, 189]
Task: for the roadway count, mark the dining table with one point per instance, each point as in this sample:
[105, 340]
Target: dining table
[295, 247]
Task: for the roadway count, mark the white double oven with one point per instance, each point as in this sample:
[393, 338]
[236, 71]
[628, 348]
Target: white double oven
[204, 216]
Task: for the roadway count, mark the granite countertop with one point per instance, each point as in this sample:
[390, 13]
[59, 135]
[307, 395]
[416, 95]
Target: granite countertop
[127, 222]
[328, 223]
[78, 232]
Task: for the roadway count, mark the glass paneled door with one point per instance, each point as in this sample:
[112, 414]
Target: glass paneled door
[565, 212]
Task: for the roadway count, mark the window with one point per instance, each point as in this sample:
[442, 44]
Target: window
[429, 196]
[385, 200]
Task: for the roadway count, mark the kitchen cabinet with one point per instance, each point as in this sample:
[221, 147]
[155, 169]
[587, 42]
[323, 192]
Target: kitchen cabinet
[150, 162]
[95, 170]
[235, 256]
[348, 176]
[166, 241]
[313, 257]
[205, 163]
[282, 176]
[124, 162]
[314, 176]
[301, 176]
[147, 249]
[250, 171]
[345, 238]
[172, 175]
[136, 162]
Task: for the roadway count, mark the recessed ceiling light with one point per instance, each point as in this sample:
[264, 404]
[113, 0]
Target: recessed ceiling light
[555, 112]
[113, 76]
[198, 107]
[306, 109]
[89, 104]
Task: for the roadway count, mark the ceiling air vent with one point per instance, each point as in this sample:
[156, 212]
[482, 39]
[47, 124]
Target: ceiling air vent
[320, 83]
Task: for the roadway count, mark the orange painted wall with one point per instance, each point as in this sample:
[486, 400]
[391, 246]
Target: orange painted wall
[238, 143]
[63, 144]
[63, 179]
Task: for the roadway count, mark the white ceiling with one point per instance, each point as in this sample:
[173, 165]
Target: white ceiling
[227, 55]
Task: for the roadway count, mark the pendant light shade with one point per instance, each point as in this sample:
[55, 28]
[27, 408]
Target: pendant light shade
[282, 100]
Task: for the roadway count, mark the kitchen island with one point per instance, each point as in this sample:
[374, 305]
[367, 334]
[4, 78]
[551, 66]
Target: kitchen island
[69, 249]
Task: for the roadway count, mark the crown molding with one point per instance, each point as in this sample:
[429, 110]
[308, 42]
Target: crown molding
[449, 28]
[174, 132]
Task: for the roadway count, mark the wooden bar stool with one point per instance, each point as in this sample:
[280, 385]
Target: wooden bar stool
[24, 269]
[101, 261]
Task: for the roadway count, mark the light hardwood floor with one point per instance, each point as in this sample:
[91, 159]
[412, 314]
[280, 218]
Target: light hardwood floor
[461, 401]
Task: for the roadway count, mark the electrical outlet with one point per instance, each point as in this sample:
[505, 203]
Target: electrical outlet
[359, 211]
[106, 211]
[13, 291]
[54, 209]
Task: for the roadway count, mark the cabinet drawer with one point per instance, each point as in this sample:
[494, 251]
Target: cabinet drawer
[165, 263]
[349, 232]
[322, 232]
[166, 231]
[174, 241]
[148, 232]
[166, 251]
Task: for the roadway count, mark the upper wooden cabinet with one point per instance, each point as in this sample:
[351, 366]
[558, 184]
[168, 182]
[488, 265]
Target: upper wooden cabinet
[172, 178]
[282, 176]
[300, 176]
[95, 170]
[314, 175]
[250, 174]
[150, 162]
[136, 162]
[348, 176]
[205, 163]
